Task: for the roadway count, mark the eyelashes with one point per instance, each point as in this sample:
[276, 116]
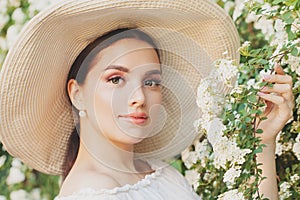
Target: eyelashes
[119, 80]
[152, 82]
[116, 80]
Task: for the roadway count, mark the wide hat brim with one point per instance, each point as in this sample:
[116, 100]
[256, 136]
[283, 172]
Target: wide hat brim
[36, 115]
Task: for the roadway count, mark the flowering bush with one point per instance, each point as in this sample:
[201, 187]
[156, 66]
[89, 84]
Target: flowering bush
[221, 162]
[17, 181]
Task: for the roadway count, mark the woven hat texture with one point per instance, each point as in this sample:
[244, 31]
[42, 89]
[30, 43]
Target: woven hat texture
[36, 115]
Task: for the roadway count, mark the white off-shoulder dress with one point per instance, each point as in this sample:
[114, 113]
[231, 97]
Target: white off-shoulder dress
[165, 183]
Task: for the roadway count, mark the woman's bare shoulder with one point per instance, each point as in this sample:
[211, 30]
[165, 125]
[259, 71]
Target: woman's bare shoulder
[76, 182]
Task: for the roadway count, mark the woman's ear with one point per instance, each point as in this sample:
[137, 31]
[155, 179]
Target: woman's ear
[75, 94]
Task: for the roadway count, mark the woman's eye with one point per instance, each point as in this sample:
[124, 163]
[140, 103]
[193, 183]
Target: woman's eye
[115, 80]
[152, 83]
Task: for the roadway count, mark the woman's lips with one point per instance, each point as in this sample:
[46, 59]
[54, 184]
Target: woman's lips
[135, 118]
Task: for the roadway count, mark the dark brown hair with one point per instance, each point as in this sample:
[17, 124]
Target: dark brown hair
[79, 70]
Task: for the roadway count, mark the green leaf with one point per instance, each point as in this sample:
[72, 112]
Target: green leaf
[259, 131]
[277, 2]
[294, 52]
[248, 119]
[177, 164]
[290, 33]
[263, 118]
[291, 2]
[286, 15]
[252, 98]
[258, 150]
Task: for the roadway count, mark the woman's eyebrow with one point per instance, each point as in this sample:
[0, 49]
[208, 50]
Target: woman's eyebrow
[153, 72]
[117, 67]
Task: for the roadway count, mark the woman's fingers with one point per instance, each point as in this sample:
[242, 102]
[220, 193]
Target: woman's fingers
[279, 78]
[279, 88]
[282, 86]
[280, 93]
[278, 69]
[283, 89]
[272, 98]
[286, 106]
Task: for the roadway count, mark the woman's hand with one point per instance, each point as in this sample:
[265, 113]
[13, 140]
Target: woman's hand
[280, 103]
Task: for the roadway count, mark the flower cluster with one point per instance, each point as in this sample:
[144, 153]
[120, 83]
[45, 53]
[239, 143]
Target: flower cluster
[18, 180]
[224, 163]
[13, 16]
[218, 149]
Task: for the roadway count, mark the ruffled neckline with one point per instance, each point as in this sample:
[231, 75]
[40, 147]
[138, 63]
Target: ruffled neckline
[148, 178]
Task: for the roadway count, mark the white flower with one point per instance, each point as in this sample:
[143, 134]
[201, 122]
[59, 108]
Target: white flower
[14, 3]
[2, 160]
[295, 63]
[35, 194]
[295, 178]
[192, 177]
[18, 16]
[287, 146]
[298, 136]
[237, 89]
[296, 149]
[284, 192]
[207, 176]
[279, 39]
[295, 25]
[4, 18]
[38, 5]
[252, 83]
[226, 150]
[246, 44]
[266, 26]
[12, 34]
[231, 174]
[279, 25]
[239, 7]
[267, 8]
[189, 158]
[16, 163]
[15, 176]
[18, 195]
[225, 71]
[228, 5]
[3, 44]
[2, 197]
[3, 7]
[214, 130]
[251, 17]
[201, 148]
[209, 98]
[231, 195]
[262, 73]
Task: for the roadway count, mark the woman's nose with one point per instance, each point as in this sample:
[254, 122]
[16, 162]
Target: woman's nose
[137, 98]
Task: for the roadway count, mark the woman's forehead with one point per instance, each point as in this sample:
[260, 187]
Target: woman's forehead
[127, 53]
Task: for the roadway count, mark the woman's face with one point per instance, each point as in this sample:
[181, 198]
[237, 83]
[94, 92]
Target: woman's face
[122, 92]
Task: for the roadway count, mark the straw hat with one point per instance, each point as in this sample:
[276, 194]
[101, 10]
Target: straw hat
[36, 115]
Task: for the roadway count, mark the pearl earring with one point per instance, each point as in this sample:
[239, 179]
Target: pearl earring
[82, 113]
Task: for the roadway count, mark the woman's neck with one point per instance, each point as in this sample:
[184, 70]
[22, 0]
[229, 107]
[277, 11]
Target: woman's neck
[98, 153]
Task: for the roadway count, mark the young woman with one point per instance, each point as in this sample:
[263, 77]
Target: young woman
[129, 69]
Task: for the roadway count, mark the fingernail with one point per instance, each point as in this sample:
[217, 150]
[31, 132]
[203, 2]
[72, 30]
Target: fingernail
[277, 64]
[267, 76]
[260, 93]
[264, 88]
